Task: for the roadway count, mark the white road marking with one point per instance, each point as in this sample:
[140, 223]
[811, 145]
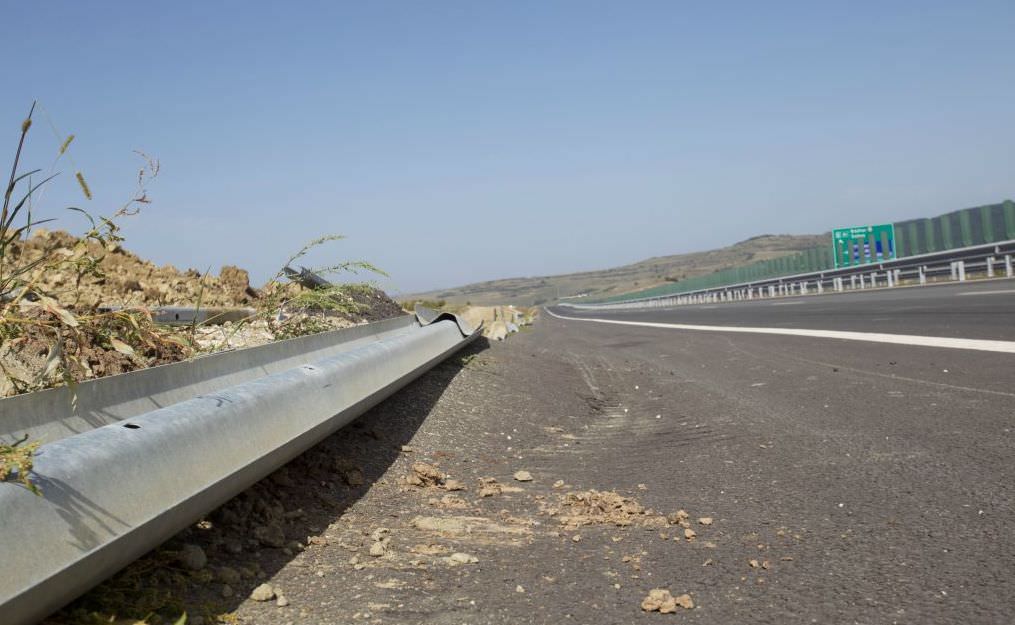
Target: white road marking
[784, 303]
[983, 345]
[1002, 292]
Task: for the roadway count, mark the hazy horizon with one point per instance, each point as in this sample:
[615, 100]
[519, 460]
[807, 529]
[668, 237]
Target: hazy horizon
[456, 143]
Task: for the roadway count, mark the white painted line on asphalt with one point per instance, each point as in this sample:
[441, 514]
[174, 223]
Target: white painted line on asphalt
[784, 303]
[983, 345]
[1004, 292]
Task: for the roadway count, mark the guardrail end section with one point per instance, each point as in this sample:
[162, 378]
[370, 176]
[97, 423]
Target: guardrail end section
[427, 316]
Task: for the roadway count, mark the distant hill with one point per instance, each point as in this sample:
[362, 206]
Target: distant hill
[635, 277]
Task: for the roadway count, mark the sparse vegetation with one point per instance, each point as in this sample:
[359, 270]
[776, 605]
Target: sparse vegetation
[45, 340]
[292, 309]
[16, 460]
[49, 336]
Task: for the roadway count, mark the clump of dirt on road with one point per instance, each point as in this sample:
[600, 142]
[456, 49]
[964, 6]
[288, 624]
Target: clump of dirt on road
[660, 600]
[593, 507]
[424, 475]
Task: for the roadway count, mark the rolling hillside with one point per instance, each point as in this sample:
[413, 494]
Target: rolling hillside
[634, 277]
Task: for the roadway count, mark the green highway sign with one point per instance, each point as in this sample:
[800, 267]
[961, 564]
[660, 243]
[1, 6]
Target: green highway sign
[861, 245]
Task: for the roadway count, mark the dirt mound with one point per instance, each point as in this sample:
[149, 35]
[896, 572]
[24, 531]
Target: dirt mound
[593, 507]
[375, 303]
[125, 279]
[63, 338]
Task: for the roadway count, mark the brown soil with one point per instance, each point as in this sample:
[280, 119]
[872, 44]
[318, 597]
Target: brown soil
[376, 305]
[28, 361]
[129, 280]
[125, 279]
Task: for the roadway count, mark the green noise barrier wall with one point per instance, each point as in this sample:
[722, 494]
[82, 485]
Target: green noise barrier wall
[961, 228]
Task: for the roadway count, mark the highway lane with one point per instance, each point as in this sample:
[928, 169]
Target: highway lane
[845, 482]
[975, 310]
[876, 479]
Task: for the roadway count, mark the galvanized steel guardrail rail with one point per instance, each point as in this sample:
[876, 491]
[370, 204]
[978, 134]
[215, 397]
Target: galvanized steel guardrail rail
[130, 460]
[989, 260]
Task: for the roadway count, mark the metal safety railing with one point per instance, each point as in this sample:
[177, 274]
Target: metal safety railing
[130, 460]
[968, 227]
[991, 260]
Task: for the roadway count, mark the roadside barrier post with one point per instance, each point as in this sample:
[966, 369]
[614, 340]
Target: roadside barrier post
[990, 266]
[1007, 266]
[922, 274]
[891, 278]
[962, 270]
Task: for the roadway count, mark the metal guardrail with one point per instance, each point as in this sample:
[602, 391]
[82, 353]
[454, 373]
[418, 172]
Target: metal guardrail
[143, 455]
[187, 315]
[991, 260]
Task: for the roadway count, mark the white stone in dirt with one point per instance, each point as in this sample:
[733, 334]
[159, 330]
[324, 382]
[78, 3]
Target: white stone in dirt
[523, 476]
[281, 601]
[264, 592]
[379, 534]
[461, 558]
[193, 557]
[379, 549]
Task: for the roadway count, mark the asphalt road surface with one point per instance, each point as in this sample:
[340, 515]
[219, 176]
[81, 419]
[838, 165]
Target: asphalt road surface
[983, 309]
[893, 463]
[825, 481]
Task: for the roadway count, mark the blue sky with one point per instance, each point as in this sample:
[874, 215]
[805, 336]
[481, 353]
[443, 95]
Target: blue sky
[462, 141]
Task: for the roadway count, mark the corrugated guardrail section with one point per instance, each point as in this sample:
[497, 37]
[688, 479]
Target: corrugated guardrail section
[991, 261]
[119, 479]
